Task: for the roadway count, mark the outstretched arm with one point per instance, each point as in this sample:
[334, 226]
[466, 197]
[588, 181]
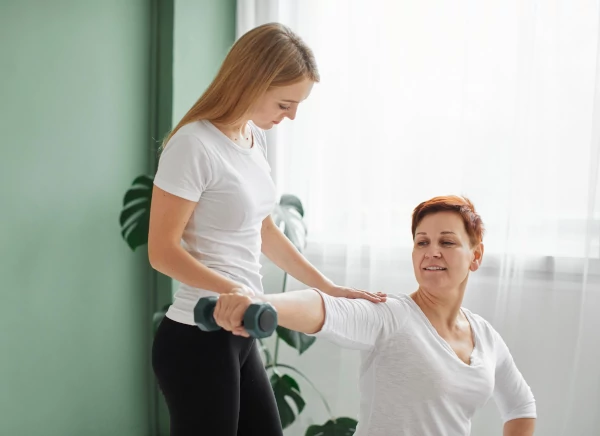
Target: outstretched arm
[352, 323]
[301, 311]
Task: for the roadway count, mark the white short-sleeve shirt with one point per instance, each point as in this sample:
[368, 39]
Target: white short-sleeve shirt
[234, 193]
[411, 381]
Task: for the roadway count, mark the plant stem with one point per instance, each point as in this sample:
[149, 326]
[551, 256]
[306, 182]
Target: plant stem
[285, 276]
[283, 365]
[265, 351]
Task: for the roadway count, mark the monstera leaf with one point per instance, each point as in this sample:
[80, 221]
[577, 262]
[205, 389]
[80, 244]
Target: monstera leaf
[135, 215]
[288, 215]
[339, 427]
[297, 340]
[286, 387]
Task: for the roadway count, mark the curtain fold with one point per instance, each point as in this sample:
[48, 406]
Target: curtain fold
[497, 100]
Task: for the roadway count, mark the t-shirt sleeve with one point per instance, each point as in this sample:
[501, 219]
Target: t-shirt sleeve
[511, 393]
[184, 168]
[359, 324]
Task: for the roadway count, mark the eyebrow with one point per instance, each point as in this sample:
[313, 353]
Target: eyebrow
[290, 101]
[446, 232]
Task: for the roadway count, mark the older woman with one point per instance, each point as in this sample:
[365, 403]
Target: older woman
[428, 364]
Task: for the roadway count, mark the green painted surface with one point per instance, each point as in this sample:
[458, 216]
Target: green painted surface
[78, 109]
[74, 312]
[204, 33]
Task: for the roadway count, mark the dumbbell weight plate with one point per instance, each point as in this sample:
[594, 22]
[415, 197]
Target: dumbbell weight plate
[260, 320]
[203, 314]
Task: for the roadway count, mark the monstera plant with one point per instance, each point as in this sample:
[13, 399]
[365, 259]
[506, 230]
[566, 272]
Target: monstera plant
[288, 215]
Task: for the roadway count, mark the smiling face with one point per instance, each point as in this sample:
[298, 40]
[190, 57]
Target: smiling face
[279, 103]
[443, 253]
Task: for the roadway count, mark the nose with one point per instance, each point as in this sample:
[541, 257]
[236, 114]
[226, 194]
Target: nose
[291, 114]
[433, 252]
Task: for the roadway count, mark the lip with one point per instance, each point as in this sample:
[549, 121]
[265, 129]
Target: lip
[276, 122]
[434, 270]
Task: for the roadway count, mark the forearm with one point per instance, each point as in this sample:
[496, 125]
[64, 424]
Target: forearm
[178, 264]
[519, 427]
[301, 311]
[278, 248]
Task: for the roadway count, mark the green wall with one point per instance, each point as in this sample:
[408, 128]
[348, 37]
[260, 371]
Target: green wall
[74, 89]
[77, 111]
[204, 32]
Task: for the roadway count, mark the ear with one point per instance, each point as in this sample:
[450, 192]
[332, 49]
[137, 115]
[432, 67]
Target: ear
[477, 257]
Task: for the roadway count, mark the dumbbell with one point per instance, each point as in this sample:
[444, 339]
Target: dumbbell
[260, 319]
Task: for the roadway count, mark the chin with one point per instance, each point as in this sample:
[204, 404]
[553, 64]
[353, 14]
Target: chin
[263, 125]
[434, 282]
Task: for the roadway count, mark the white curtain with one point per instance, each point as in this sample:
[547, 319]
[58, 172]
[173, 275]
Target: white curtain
[496, 100]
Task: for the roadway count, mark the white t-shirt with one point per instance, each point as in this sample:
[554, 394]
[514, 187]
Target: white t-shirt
[411, 382]
[235, 193]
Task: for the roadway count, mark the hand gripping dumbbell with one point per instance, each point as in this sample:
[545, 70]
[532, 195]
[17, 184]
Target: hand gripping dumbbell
[260, 319]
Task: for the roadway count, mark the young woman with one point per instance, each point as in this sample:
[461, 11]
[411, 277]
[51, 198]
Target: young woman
[210, 221]
[428, 363]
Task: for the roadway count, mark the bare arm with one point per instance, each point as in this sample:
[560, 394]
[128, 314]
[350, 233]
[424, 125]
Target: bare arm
[278, 248]
[519, 427]
[301, 311]
[350, 323]
[169, 215]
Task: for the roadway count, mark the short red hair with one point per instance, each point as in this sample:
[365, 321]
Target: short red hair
[452, 203]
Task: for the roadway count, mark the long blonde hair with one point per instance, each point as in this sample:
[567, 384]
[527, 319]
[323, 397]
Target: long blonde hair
[267, 56]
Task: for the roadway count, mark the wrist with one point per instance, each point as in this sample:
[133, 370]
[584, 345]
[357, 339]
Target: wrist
[325, 285]
[260, 298]
[230, 287]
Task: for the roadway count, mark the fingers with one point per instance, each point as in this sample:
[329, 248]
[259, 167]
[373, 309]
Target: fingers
[230, 309]
[236, 317]
[240, 331]
[376, 297]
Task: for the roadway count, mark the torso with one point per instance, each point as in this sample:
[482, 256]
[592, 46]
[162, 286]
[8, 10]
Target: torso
[461, 340]
[424, 382]
[224, 231]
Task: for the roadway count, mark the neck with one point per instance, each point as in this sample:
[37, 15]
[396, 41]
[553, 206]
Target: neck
[440, 307]
[237, 130]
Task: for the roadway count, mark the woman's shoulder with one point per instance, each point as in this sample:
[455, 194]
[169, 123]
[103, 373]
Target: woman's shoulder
[195, 131]
[401, 305]
[399, 299]
[196, 138]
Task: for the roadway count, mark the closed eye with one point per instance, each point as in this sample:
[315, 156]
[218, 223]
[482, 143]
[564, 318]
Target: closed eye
[285, 108]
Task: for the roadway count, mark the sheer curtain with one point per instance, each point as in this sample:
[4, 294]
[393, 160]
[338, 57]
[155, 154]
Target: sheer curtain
[496, 100]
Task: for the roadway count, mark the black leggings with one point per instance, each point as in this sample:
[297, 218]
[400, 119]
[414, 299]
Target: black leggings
[214, 383]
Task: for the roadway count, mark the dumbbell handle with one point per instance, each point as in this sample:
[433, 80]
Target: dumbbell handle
[260, 319]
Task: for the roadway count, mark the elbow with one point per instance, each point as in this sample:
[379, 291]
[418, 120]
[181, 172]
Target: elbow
[525, 411]
[154, 259]
[157, 255]
[520, 427]
[318, 320]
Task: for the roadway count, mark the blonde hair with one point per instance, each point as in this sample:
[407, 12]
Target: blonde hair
[267, 56]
